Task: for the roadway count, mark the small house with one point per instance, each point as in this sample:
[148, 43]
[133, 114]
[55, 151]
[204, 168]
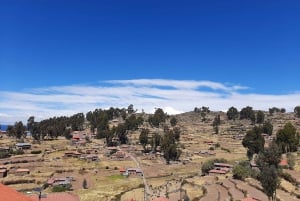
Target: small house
[92, 157]
[216, 172]
[3, 171]
[23, 146]
[134, 171]
[62, 181]
[74, 154]
[4, 149]
[220, 169]
[22, 172]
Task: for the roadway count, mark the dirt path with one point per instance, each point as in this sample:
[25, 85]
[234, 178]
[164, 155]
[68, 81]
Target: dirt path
[147, 191]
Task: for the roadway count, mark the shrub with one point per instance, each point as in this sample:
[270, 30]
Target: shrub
[18, 152]
[45, 185]
[36, 152]
[60, 188]
[84, 184]
[4, 155]
[225, 149]
[241, 172]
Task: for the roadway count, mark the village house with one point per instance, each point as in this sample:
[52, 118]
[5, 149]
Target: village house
[92, 157]
[131, 171]
[206, 153]
[220, 169]
[119, 155]
[4, 149]
[24, 145]
[62, 181]
[3, 171]
[78, 138]
[73, 154]
[22, 171]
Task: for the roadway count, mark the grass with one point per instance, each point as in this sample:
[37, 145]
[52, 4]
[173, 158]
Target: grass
[116, 176]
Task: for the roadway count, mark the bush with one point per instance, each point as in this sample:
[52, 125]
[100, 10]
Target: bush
[36, 152]
[225, 149]
[84, 184]
[18, 152]
[60, 188]
[45, 185]
[241, 172]
[4, 155]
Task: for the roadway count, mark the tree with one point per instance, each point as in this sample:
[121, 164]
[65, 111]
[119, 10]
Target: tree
[77, 121]
[274, 110]
[84, 184]
[269, 156]
[297, 111]
[254, 141]
[216, 123]
[19, 129]
[10, 130]
[144, 138]
[176, 133]
[260, 117]
[32, 127]
[291, 159]
[173, 121]
[155, 141]
[130, 109]
[267, 162]
[158, 118]
[241, 171]
[232, 113]
[287, 138]
[170, 147]
[269, 181]
[247, 113]
[268, 128]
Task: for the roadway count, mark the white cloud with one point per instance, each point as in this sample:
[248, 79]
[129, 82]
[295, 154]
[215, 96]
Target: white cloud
[174, 96]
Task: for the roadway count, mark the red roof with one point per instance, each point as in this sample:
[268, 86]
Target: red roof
[76, 136]
[10, 194]
[217, 171]
[22, 170]
[56, 197]
[122, 169]
[283, 162]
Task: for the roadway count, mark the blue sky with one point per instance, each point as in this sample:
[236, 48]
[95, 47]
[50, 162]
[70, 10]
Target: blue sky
[238, 52]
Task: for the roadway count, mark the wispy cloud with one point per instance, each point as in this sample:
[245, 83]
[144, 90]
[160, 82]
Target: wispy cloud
[174, 96]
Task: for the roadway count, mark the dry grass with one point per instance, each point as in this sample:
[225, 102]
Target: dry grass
[193, 191]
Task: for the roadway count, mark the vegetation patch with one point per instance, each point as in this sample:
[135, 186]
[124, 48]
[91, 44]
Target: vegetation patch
[116, 177]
